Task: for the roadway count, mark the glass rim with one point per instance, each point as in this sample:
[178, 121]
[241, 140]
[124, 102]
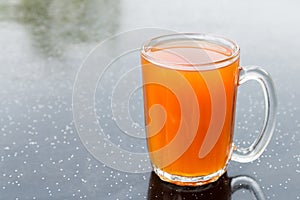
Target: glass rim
[195, 66]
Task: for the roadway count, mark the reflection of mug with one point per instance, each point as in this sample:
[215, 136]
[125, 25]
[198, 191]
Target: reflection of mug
[221, 189]
[190, 83]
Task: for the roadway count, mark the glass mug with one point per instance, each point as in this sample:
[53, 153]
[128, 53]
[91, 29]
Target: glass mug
[190, 84]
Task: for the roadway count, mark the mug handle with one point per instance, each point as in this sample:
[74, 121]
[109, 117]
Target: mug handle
[252, 152]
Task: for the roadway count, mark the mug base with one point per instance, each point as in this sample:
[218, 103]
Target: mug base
[188, 181]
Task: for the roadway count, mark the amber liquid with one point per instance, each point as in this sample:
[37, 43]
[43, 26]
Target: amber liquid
[189, 163]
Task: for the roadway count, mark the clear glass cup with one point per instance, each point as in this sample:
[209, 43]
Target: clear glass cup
[190, 84]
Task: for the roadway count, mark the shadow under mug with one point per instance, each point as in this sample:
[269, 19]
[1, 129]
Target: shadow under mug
[222, 189]
[190, 84]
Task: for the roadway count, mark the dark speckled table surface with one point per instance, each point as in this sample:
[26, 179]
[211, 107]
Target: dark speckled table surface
[43, 44]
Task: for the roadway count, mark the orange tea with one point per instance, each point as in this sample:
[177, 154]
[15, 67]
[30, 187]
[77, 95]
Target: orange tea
[189, 85]
[190, 56]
